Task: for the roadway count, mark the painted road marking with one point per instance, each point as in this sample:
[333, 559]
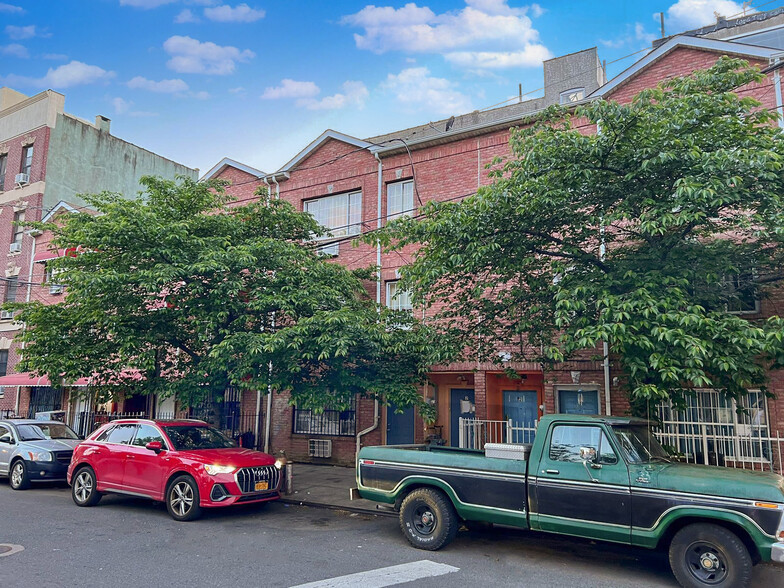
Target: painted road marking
[7, 549]
[385, 576]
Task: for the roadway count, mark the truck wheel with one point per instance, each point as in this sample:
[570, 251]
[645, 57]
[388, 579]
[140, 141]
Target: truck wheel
[428, 519]
[703, 554]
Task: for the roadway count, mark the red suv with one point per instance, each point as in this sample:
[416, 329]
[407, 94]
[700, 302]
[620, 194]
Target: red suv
[186, 464]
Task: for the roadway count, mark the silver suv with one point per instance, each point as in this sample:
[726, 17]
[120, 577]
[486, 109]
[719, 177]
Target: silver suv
[35, 451]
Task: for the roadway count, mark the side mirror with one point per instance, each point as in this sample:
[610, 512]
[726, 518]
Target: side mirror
[155, 446]
[6, 440]
[588, 454]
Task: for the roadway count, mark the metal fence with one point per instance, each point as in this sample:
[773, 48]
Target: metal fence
[85, 422]
[475, 433]
[240, 426]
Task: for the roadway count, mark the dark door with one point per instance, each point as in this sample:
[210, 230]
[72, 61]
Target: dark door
[400, 426]
[578, 401]
[44, 399]
[522, 407]
[460, 399]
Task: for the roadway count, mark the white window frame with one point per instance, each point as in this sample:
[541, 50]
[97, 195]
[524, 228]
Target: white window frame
[396, 300]
[757, 302]
[576, 387]
[349, 225]
[400, 199]
[566, 95]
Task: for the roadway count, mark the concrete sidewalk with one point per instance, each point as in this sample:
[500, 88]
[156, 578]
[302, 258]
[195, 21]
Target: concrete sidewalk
[326, 486]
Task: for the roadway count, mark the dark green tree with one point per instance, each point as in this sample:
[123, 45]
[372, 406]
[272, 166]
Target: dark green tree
[646, 234]
[181, 292]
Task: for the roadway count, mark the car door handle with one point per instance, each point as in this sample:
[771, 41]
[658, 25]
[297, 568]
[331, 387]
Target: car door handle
[555, 472]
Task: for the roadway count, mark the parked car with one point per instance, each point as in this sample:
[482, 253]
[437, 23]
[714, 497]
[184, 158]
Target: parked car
[186, 463]
[603, 478]
[35, 451]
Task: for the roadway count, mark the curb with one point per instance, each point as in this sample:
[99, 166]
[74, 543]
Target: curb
[353, 509]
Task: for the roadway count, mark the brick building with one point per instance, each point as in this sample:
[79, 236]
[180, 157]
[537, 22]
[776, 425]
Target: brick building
[47, 158]
[353, 185]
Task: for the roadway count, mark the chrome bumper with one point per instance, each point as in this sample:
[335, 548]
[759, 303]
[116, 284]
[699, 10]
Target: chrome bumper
[777, 553]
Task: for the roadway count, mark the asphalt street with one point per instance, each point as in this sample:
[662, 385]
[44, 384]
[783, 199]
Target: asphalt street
[133, 542]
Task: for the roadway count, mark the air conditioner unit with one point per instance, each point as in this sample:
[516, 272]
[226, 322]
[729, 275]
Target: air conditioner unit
[6, 315]
[22, 179]
[15, 247]
[56, 289]
[319, 447]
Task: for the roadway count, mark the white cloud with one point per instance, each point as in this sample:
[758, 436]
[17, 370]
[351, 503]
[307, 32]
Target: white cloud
[238, 90]
[531, 56]
[291, 89]
[415, 87]
[10, 8]
[18, 33]
[76, 73]
[354, 94]
[691, 14]
[185, 16]
[200, 95]
[635, 36]
[482, 26]
[192, 56]
[145, 4]
[242, 13]
[122, 106]
[162, 87]
[15, 50]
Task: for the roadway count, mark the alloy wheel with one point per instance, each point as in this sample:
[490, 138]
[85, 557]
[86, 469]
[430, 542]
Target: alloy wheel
[83, 486]
[181, 498]
[17, 474]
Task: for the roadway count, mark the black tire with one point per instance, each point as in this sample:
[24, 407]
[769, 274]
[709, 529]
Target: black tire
[428, 519]
[703, 554]
[18, 477]
[84, 488]
[182, 499]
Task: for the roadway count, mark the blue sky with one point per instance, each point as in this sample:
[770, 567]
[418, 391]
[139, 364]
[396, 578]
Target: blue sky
[256, 81]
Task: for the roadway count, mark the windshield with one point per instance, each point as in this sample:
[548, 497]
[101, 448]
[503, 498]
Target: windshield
[57, 431]
[639, 444]
[186, 438]
[30, 433]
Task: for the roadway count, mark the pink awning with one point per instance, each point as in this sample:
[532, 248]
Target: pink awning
[23, 379]
[48, 254]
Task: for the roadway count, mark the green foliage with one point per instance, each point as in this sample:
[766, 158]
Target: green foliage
[643, 235]
[196, 294]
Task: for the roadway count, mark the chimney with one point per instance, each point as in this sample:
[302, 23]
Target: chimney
[102, 123]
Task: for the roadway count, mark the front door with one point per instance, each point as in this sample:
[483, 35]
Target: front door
[579, 401]
[461, 404]
[7, 447]
[575, 498]
[400, 426]
[522, 408]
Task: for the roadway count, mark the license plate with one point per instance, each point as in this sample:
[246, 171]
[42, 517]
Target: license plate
[262, 486]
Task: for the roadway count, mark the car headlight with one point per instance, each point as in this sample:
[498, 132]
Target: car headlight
[279, 463]
[218, 469]
[40, 456]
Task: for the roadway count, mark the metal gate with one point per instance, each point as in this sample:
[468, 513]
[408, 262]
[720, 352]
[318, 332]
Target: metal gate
[43, 399]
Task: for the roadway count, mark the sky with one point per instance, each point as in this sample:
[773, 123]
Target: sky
[258, 80]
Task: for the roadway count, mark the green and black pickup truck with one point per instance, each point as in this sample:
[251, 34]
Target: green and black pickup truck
[604, 478]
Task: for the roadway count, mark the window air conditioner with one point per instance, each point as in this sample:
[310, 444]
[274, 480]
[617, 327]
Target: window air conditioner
[22, 179]
[56, 289]
[320, 447]
[6, 314]
[15, 247]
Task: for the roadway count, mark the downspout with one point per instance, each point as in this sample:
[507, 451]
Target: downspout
[777, 84]
[277, 188]
[268, 416]
[376, 415]
[258, 391]
[27, 299]
[605, 344]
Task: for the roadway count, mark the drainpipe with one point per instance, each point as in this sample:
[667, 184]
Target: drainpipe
[268, 416]
[376, 414]
[269, 190]
[277, 188]
[605, 345]
[779, 107]
[27, 299]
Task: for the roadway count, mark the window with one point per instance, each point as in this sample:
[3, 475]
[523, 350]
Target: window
[741, 294]
[3, 167]
[27, 160]
[11, 286]
[578, 400]
[341, 214]
[3, 362]
[573, 95]
[568, 439]
[146, 434]
[18, 227]
[400, 199]
[121, 434]
[5, 435]
[397, 298]
[329, 422]
[103, 437]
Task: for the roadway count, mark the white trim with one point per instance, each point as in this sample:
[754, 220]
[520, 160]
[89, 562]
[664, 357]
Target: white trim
[316, 143]
[60, 206]
[683, 41]
[226, 162]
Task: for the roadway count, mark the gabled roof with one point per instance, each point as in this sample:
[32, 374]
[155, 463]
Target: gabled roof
[703, 44]
[61, 206]
[218, 168]
[320, 140]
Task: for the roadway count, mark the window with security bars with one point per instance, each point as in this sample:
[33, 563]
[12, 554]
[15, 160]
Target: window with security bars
[727, 429]
[341, 214]
[337, 423]
[400, 199]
